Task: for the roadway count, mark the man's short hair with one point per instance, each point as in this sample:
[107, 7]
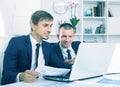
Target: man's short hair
[41, 15]
[66, 26]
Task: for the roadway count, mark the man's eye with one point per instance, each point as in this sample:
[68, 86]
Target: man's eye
[51, 25]
[63, 36]
[45, 25]
[70, 36]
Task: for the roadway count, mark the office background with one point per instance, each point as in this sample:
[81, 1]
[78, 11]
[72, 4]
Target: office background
[15, 18]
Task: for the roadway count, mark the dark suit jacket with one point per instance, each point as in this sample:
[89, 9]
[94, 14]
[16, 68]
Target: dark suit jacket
[18, 56]
[56, 57]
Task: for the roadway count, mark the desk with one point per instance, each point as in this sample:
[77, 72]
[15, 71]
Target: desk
[47, 83]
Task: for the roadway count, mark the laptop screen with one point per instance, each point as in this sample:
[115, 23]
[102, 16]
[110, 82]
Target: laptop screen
[92, 60]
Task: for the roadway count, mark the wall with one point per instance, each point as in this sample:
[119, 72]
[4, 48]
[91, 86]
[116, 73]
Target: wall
[58, 17]
[6, 13]
[16, 15]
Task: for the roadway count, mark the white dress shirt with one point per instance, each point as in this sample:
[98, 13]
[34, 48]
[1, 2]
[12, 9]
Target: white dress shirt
[41, 60]
[40, 57]
[65, 54]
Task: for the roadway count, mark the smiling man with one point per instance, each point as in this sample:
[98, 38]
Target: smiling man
[20, 55]
[64, 52]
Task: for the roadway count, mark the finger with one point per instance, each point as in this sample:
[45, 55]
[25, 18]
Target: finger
[29, 78]
[32, 72]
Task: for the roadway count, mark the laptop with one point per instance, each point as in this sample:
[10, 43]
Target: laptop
[92, 61]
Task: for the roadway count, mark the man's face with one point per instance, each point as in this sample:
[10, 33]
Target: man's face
[43, 29]
[66, 37]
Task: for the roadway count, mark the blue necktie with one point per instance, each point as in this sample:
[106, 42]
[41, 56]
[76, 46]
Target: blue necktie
[69, 55]
[37, 54]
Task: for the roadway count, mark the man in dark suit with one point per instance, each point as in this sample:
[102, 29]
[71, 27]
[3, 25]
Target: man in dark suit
[59, 56]
[20, 57]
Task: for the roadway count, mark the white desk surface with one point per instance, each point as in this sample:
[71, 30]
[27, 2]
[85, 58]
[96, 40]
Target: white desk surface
[47, 83]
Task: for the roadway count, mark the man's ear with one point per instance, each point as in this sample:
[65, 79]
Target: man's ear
[32, 26]
[58, 36]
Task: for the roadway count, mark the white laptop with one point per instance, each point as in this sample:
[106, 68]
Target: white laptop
[92, 60]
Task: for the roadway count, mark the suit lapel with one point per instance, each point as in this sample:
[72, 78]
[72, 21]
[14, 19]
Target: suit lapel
[75, 46]
[59, 51]
[45, 50]
[29, 49]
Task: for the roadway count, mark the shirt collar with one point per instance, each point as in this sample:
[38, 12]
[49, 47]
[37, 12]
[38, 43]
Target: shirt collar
[33, 41]
[64, 49]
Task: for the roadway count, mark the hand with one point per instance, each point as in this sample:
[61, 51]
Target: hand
[71, 61]
[28, 76]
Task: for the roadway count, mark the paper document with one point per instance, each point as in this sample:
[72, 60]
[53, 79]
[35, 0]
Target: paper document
[111, 79]
[51, 71]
